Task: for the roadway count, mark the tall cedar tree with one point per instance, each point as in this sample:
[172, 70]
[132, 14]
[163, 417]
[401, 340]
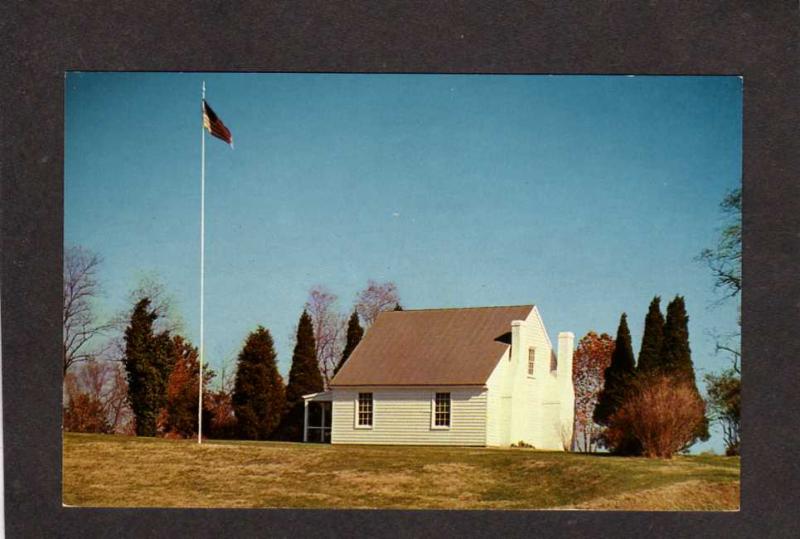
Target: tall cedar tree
[148, 361]
[354, 334]
[617, 376]
[259, 397]
[677, 356]
[677, 360]
[179, 416]
[650, 354]
[618, 381]
[304, 378]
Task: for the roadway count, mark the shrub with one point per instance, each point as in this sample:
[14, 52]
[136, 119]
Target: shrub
[223, 420]
[178, 417]
[95, 394]
[662, 413]
[85, 413]
[523, 444]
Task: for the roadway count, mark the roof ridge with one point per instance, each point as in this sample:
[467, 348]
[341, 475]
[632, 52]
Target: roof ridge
[531, 305]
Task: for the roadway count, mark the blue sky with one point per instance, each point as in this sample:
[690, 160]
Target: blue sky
[585, 195]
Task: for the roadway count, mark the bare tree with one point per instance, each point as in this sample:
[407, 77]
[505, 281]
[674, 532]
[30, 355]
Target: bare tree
[81, 288]
[162, 302]
[329, 329]
[227, 375]
[376, 298]
[725, 259]
[725, 262]
[220, 403]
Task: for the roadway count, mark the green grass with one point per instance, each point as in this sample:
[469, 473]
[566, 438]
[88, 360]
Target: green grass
[118, 471]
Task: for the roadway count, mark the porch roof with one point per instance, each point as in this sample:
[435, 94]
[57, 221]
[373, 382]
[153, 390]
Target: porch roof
[320, 396]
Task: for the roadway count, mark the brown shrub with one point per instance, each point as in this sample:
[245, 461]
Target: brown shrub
[95, 398]
[662, 413]
[223, 420]
[85, 413]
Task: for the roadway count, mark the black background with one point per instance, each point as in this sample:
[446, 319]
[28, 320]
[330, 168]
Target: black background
[43, 39]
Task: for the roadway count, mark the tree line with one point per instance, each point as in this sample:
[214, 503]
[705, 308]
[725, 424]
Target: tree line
[653, 407]
[144, 379]
[263, 407]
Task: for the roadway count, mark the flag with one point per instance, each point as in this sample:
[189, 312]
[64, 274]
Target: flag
[215, 126]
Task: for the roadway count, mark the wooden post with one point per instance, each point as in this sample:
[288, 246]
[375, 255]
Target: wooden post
[322, 427]
[305, 420]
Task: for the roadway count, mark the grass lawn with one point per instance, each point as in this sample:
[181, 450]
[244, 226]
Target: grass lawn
[118, 471]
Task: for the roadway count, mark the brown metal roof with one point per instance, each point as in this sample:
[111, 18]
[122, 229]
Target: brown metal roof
[431, 347]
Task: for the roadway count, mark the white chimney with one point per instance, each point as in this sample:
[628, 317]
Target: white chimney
[566, 345]
[516, 339]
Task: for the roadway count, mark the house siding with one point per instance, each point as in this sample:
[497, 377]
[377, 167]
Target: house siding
[403, 416]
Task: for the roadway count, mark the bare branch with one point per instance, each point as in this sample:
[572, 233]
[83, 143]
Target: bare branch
[151, 286]
[725, 259]
[374, 299]
[329, 329]
[81, 288]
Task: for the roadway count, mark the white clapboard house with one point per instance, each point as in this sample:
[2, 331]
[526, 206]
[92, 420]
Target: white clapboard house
[485, 376]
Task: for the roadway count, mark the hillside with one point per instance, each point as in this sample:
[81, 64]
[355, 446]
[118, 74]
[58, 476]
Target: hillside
[115, 471]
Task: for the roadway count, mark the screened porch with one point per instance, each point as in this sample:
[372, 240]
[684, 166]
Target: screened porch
[317, 417]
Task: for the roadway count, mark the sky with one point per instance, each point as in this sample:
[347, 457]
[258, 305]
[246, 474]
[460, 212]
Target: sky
[585, 195]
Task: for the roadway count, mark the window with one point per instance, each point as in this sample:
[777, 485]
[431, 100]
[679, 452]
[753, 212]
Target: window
[531, 361]
[364, 418]
[441, 410]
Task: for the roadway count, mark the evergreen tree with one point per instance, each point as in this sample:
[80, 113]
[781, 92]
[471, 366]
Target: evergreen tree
[354, 334]
[619, 378]
[398, 307]
[259, 397]
[304, 378]
[650, 354]
[677, 356]
[148, 361]
[618, 375]
[677, 360]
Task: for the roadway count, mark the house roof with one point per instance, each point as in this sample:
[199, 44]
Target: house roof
[431, 347]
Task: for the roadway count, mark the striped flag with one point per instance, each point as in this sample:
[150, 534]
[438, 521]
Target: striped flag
[215, 126]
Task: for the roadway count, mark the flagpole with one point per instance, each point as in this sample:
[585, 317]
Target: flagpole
[202, 267]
